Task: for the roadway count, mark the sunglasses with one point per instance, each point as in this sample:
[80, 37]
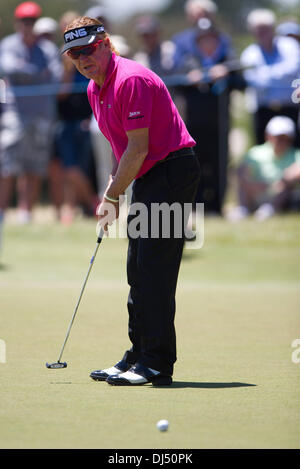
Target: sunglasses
[86, 50]
[27, 21]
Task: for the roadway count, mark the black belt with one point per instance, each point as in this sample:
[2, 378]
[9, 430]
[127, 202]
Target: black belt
[177, 154]
[188, 151]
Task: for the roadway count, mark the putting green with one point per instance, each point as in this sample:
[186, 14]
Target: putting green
[235, 384]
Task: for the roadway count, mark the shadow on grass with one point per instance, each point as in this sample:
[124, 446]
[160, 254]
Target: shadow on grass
[179, 385]
[195, 385]
[63, 382]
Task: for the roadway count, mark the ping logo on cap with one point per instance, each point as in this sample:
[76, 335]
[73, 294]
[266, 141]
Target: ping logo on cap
[78, 33]
[75, 34]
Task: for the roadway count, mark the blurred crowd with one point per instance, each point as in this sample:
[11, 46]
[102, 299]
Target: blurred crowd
[49, 136]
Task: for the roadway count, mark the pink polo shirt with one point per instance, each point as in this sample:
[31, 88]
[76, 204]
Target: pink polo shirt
[133, 97]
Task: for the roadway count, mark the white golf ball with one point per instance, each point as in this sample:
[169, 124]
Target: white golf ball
[162, 425]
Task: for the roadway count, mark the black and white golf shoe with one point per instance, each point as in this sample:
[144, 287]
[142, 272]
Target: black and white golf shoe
[102, 375]
[138, 375]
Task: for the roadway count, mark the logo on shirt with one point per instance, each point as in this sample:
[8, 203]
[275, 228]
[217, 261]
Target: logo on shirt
[135, 115]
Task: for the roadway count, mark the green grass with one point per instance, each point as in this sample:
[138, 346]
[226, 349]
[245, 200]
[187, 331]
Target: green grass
[235, 385]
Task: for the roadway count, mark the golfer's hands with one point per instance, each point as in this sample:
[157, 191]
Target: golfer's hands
[107, 213]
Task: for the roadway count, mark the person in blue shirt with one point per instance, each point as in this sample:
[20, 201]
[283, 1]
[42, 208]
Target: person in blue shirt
[272, 63]
[204, 56]
[186, 41]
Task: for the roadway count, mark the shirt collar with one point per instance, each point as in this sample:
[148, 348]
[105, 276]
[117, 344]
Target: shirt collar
[110, 70]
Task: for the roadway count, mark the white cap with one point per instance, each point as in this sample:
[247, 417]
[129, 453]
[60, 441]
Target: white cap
[261, 16]
[208, 5]
[96, 12]
[281, 125]
[45, 25]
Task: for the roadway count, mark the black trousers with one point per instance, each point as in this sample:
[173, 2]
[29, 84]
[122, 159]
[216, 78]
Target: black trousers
[153, 264]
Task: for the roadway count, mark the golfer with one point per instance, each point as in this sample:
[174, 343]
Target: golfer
[151, 147]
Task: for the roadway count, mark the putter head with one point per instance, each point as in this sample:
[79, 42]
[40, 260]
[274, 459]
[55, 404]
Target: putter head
[56, 365]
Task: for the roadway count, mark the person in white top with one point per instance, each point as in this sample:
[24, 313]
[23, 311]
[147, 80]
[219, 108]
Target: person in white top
[271, 64]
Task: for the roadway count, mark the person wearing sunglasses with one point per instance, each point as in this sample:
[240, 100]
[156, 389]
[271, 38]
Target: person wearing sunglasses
[150, 146]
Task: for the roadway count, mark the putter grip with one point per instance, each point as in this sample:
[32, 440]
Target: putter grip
[100, 236]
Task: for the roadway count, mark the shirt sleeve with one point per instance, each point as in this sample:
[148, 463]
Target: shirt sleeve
[12, 63]
[136, 98]
[256, 73]
[253, 167]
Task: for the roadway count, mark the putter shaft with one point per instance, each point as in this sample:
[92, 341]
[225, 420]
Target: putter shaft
[101, 233]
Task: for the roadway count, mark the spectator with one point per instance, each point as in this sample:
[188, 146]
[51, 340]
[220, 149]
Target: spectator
[196, 9]
[46, 28]
[205, 57]
[10, 135]
[156, 54]
[269, 173]
[29, 62]
[291, 28]
[273, 63]
[73, 144]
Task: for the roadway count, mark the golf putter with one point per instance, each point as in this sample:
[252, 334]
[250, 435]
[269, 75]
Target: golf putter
[59, 363]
